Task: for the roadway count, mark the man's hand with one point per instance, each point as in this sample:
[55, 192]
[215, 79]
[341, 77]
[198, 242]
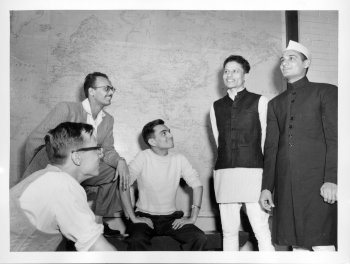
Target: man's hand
[123, 171]
[178, 223]
[266, 200]
[329, 192]
[144, 220]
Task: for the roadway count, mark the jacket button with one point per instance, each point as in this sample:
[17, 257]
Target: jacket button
[290, 126]
[293, 101]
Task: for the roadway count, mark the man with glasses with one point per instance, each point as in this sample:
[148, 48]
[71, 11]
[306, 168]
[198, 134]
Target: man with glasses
[50, 202]
[101, 190]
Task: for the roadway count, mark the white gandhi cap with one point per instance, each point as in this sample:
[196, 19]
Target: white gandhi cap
[293, 45]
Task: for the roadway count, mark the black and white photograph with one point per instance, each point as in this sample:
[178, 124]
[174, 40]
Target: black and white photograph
[175, 132]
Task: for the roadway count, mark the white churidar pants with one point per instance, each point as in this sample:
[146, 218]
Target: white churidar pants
[231, 220]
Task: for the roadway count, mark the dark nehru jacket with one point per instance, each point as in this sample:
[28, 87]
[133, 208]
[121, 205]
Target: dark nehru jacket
[239, 141]
[300, 155]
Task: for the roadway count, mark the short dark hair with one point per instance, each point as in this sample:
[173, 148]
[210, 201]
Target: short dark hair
[239, 59]
[90, 81]
[148, 130]
[66, 136]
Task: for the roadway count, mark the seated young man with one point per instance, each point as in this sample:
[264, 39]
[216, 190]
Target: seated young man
[158, 174]
[51, 202]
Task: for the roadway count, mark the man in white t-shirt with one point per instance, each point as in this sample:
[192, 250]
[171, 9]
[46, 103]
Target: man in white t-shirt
[158, 175]
[51, 202]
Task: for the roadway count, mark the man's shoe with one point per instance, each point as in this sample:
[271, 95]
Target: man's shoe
[108, 232]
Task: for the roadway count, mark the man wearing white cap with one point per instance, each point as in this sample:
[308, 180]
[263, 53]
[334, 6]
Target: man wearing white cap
[300, 162]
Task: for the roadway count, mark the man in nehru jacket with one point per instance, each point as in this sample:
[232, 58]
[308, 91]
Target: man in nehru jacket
[300, 165]
[158, 174]
[238, 122]
[102, 190]
[50, 202]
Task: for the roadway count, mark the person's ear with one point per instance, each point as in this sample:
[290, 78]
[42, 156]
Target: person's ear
[246, 76]
[76, 158]
[91, 91]
[152, 142]
[306, 63]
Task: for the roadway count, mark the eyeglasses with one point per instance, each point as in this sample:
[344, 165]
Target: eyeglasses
[106, 88]
[98, 149]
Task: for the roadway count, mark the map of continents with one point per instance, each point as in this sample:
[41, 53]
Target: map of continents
[164, 64]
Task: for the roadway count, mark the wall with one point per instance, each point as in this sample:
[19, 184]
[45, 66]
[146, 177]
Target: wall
[318, 30]
[165, 64]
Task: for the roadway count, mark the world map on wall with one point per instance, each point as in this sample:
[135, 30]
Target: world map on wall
[164, 64]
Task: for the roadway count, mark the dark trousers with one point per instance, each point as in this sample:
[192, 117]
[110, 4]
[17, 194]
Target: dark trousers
[103, 192]
[189, 236]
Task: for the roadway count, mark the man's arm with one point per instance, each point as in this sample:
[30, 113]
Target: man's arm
[128, 209]
[213, 125]
[270, 155]
[191, 177]
[102, 244]
[196, 206]
[329, 110]
[73, 215]
[135, 167]
[262, 109]
[111, 156]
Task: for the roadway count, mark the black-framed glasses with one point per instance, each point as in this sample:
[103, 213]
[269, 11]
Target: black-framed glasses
[98, 149]
[106, 88]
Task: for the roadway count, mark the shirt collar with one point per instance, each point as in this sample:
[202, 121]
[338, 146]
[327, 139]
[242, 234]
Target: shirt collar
[298, 84]
[87, 108]
[232, 93]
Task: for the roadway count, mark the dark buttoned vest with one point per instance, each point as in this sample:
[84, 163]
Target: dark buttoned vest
[239, 142]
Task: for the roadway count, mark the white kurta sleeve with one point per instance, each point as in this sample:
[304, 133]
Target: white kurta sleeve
[262, 108]
[213, 124]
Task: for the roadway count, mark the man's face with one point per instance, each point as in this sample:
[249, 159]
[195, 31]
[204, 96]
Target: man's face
[89, 159]
[234, 75]
[99, 93]
[292, 66]
[162, 138]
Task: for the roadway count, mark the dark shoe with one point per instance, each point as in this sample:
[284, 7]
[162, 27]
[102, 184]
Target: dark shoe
[108, 232]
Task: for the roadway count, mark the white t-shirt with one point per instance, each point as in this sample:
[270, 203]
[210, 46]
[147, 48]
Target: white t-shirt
[158, 179]
[55, 202]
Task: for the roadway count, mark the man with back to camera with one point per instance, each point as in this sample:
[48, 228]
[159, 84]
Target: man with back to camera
[300, 165]
[51, 202]
[238, 122]
[158, 174]
[99, 92]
